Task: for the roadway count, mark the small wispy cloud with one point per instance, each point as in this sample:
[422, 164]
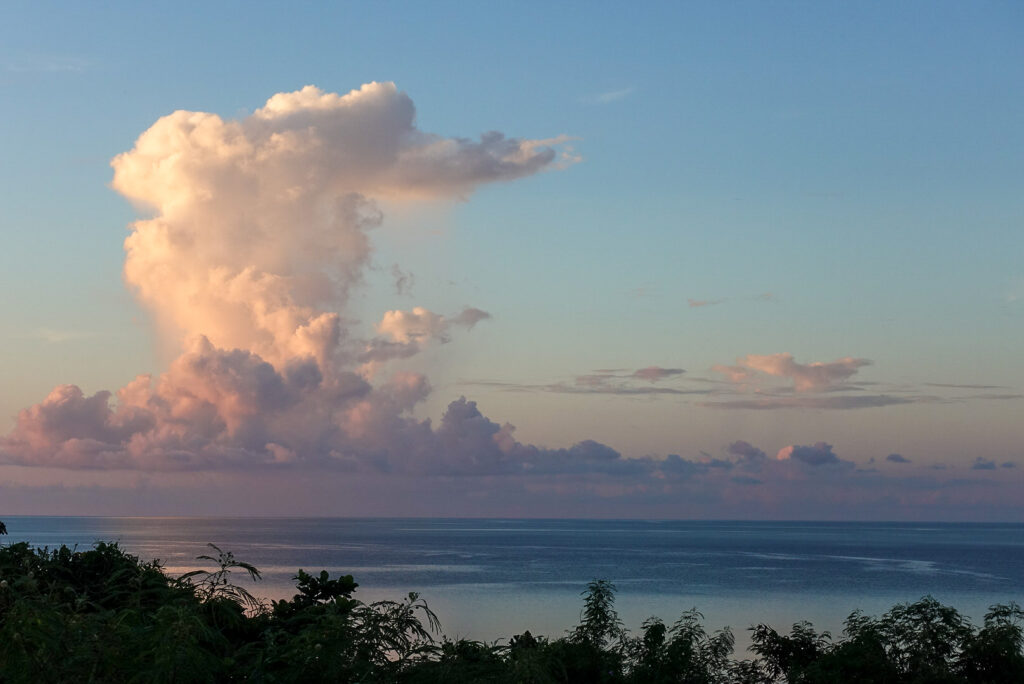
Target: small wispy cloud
[697, 303]
[1015, 291]
[403, 280]
[618, 389]
[763, 297]
[655, 373]
[609, 96]
[55, 336]
[834, 403]
[950, 385]
[621, 381]
[996, 397]
[45, 64]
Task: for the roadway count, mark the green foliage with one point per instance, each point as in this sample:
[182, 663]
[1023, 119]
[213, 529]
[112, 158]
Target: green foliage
[103, 615]
[996, 652]
[683, 653]
[789, 656]
[599, 623]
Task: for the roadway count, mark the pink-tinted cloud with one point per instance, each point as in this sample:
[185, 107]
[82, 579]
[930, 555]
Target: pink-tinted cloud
[809, 377]
[405, 333]
[262, 225]
[257, 233]
[420, 324]
[737, 374]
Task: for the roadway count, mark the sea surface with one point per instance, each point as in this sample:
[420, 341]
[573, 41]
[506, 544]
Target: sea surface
[490, 579]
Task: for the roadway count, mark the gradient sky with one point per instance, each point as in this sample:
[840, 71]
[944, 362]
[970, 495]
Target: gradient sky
[739, 259]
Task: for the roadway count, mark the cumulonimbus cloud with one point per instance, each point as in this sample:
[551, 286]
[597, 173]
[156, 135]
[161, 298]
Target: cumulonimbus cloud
[257, 231]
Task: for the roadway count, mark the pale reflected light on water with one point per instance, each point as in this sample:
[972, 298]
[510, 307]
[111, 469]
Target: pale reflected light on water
[490, 579]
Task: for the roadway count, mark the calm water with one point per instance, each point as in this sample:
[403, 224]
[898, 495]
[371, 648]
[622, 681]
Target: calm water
[493, 578]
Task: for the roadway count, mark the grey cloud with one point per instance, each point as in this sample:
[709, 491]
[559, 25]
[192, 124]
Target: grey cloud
[996, 397]
[598, 388]
[655, 373]
[817, 455]
[403, 280]
[897, 458]
[746, 451]
[381, 351]
[677, 466]
[831, 403]
[612, 381]
[470, 316]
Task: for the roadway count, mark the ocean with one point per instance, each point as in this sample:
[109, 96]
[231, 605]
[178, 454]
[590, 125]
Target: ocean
[490, 579]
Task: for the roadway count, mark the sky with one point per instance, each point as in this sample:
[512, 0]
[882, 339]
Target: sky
[676, 260]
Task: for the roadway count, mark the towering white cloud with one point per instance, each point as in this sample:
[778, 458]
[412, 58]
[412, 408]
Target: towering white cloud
[256, 232]
[260, 226]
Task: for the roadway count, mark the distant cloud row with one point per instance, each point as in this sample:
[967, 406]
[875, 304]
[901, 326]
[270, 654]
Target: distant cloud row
[816, 385]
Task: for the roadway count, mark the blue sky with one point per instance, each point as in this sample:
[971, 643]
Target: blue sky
[833, 180]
